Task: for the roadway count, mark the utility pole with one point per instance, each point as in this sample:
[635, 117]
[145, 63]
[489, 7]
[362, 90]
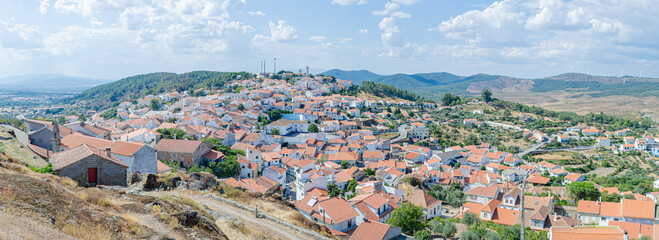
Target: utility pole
[522, 208]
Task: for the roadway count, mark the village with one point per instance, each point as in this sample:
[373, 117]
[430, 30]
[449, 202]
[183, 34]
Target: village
[355, 163]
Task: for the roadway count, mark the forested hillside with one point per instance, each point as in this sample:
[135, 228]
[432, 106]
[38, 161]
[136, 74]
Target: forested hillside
[435, 85]
[136, 87]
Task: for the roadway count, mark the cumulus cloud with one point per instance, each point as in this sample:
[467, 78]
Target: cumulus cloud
[390, 35]
[256, 13]
[363, 31]
[558, 29]
[43, 6]
[348, 2]
[20, 36]
[279, 32]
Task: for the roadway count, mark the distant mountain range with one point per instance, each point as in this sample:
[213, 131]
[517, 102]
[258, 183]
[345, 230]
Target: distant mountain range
[435, 85]
[49, 83]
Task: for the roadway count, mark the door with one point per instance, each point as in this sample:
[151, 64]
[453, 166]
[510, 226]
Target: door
[91, 173]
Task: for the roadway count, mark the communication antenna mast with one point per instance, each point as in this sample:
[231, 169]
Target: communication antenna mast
[274, 69]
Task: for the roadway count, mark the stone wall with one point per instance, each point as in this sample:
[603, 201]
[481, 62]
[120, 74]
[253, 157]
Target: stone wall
[108, 173]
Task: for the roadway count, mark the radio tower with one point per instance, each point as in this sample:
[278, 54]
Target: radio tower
[307, 71]
[274, 69]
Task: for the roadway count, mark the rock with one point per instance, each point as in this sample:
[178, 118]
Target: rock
[187, 218]
[151, 183]
[193, 218]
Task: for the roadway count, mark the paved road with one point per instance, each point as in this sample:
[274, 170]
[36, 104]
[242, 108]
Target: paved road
[20, 135]
[532, 149]
[402, 130]
[503, 125]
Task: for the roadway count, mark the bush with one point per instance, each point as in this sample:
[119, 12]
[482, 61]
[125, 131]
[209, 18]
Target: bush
[47, 169]
[469, 235]
[470, 219]
[422, 235]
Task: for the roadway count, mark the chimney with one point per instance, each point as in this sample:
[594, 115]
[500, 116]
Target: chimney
[626, 235]
[108, 151]
[555, 217]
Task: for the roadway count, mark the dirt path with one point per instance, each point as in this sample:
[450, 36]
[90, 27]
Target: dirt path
[272, 229]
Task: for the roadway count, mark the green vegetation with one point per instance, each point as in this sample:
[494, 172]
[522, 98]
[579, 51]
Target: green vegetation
[408, 217]
[110, 113]
[313, 128]
[136, 87]
[174, 133]
[453, 195]
[333, 190]
[583, 190]
[486, 95]
[47, 169]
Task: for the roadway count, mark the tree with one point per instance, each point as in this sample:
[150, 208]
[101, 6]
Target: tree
[422, 235]
[469, 235]
[333, 189]
[155, 104]
[470, 219]
[436, 225]
[409, 217]
[345, 165]
[275, 115]
[449, 230]
[486, 95]
[491, 236]
[61, 120]
[369, 172]
[583, 190]
[352, 184]
[313, 128]
[82, 118]
[274, 131]
[471, 140]
[241, 107]
[450, 99]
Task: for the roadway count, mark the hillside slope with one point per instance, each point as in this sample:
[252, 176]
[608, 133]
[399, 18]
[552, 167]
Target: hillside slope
[435, 85]
[136, 87]
[49, 83]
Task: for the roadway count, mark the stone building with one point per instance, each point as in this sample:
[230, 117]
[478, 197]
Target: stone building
[90, 166]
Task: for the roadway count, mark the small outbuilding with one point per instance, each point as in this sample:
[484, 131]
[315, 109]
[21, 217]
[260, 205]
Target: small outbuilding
[90, 166]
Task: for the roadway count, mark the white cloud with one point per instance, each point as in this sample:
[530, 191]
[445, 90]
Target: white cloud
[401, 15]
[559, 29]
[344, 40]
[363, 31]
[389, 7]
[390, 32]
[43, 6]
[318, 38]
[279, 32]
[349, 2]
[406, 2]
[256, 13]
[20, 36]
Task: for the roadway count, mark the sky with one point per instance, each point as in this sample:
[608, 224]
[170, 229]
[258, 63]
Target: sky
[112, 39]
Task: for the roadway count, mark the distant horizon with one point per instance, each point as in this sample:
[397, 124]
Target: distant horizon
[523, 38]
[107, 80]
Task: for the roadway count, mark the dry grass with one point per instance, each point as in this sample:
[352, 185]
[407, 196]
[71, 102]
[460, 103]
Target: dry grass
[23, 227]
[155, 208]
[87, 232]
[98, 197]
[181, 200]
[625, 106]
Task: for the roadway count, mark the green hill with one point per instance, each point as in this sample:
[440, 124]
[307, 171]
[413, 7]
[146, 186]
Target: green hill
[435, 85]
[136, 87]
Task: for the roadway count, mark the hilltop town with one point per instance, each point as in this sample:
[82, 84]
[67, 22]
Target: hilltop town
[359, 163]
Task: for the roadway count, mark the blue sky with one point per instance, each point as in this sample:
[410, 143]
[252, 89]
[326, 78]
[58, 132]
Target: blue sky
[112, 39]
